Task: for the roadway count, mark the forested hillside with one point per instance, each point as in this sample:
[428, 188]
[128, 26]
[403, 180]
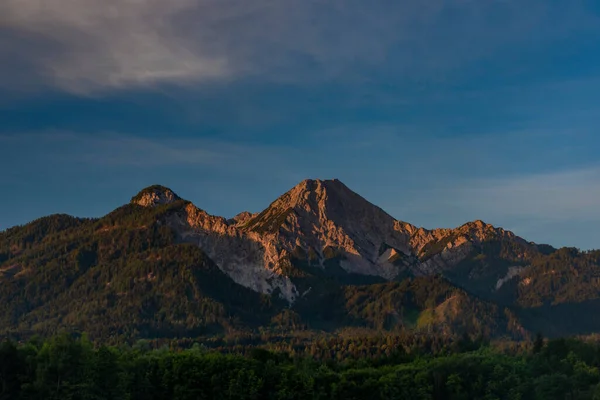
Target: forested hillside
[159, 268]
[66, 367]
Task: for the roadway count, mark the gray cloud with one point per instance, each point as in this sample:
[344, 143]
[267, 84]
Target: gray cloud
[122, 152]
[564, 195]
[84, 46]
[81, 45]
[560, 207]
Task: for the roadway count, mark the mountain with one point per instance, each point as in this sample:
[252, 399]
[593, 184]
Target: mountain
[320, 257]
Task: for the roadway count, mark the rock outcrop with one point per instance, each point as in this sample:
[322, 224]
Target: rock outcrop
[155, 195]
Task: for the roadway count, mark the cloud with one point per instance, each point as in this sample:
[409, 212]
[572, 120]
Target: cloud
[82, 45]
[112, 149]
[122, 153]
[115, 150]
[564, 195]
[85, 46]
[121, 150]
[561, 208]
[524, 200]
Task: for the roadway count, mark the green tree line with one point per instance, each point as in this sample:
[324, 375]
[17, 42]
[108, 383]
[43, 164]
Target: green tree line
[69, 367]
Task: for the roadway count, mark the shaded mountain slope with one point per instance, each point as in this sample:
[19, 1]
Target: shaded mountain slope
[122, 276]
[319, 257]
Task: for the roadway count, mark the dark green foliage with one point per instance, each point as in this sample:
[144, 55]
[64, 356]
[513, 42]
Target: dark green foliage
[13, 368]
[68, 367]
[428, 304]
[559, 293]
[538, 344]
[488, 262]
[323, 279]
[545, 249]
[556, 291]
[121, 277]
[564, 276]
[17, 240]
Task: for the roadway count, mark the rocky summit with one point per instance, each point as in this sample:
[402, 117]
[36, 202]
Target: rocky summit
[318, 257]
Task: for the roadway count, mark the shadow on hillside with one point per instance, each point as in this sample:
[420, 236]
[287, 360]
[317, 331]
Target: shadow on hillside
[563, 319]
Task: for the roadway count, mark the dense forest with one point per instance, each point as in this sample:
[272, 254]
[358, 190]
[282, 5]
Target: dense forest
[70, 367]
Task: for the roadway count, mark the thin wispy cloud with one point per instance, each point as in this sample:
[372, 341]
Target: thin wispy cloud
[118, 151]
[113, 150]
[84, 46]
[563, 195]
[561, 207]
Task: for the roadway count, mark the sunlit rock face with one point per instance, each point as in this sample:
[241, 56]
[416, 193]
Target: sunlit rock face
[321, 219]
[324, 224]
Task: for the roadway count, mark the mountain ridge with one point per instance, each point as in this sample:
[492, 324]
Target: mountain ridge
[320, 255]
[322, 219]
[319, 220]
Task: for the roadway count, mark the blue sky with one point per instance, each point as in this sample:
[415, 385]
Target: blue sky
[441, 112]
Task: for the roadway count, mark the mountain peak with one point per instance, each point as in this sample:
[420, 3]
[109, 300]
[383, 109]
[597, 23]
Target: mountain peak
[481, 226]
[155, 195]
[329, 220]
[478, 224]
[314, 193]
[318, 203]
[317, 197]
[310, 181]
[318, 185]
[310, 195]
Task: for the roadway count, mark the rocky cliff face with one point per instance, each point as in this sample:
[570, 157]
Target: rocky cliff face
[248, 258]
[320, 221]
[443, 249]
